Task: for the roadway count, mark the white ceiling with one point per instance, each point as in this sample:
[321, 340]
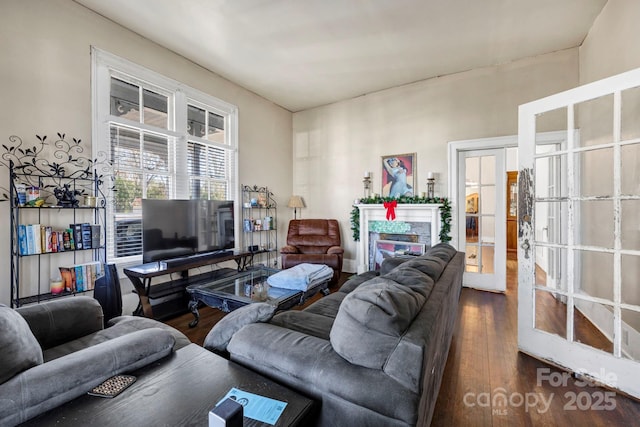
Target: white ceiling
[302, 54]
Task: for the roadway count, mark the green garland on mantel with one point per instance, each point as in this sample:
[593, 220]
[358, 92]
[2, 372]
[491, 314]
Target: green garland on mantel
[445, 212]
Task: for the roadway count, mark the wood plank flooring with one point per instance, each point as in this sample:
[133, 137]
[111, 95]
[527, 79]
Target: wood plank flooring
[487, 382]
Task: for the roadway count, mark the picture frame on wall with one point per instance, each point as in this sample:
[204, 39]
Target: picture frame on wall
[399, 175]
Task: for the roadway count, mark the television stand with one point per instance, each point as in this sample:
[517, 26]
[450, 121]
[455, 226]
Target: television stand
[166, 299]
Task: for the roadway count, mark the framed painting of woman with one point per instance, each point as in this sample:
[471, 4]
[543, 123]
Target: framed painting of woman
[398, 175]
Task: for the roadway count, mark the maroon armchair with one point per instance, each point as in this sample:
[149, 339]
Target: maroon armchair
[315, 241]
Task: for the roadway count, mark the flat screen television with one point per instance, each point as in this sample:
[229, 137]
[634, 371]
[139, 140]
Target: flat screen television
[181, 228]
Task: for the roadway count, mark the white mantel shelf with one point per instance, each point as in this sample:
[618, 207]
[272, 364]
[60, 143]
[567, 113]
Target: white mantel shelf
[409, 212]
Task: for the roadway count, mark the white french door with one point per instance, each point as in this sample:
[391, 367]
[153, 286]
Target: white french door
[482, 217]
[578, 233]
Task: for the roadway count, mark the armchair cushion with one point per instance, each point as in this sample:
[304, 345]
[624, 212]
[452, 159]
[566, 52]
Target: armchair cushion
[63, 320]
[314, 241]
[20, 349]
[288, 249]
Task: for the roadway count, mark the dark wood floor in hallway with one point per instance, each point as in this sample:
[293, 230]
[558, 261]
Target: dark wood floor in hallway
[487, 382]
[485, 367]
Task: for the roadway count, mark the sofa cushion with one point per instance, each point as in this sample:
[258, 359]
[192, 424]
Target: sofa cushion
[308, 323]
[20, 349]
[327, 306]
[444, 251]
[430, 265]
[371, 321]
[221, 333]
[356, 281]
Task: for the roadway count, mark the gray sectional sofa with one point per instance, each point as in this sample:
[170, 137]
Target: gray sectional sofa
[371, 354]
[56, 351]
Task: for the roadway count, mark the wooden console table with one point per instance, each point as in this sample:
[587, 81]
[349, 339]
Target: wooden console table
[174, 290]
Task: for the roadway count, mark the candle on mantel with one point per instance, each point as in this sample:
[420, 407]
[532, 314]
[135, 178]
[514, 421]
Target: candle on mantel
[367, 174]
[429, 175]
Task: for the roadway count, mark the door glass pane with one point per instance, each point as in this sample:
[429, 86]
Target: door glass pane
[630, 273]
[595, 223]
[488, 200]
[554, 120]
[630, 125]
[594, 274]
[472, 260]
[550, 222]
[630, 224]
[488, 229]
[488, 170]
[586, 332]
[551, 313]
[594, 118]
[630, 334]
[472, 228]
[551, 266]
[595, 184]
[487, 260]
[630, 177]
[550, 181]
[472, 171]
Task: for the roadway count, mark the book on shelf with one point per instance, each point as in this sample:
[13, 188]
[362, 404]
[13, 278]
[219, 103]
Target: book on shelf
[67, 240]
[95, 235]
[37, 239]
[77, 235]
[45, 233]
[81, 277]
[22, 240]
[53, 241]
[86, 235]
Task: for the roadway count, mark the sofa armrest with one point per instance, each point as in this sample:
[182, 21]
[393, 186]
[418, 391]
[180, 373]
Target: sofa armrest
[288, 249]
[63, 320]
[336, 250]
[51, 384]
[310, 365]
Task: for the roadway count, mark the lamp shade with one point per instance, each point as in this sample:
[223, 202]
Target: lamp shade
[296, 202]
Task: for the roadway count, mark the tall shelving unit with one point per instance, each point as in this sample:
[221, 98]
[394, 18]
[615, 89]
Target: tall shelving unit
[259, 224]
[41, 266]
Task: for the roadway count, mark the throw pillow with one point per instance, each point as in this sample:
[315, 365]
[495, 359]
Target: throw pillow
[223, 331]
[372, 320]
[20, 349]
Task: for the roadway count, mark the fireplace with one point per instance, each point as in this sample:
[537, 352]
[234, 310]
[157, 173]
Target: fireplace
[417, 224]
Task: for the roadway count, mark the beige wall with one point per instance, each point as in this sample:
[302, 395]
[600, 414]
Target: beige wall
[610, 48]
[45, 87]
[334, 145]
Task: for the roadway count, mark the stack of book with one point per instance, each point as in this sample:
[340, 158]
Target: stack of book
[81, 277]
[40, 239]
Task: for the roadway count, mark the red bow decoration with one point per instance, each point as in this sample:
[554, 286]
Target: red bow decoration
[391, 209]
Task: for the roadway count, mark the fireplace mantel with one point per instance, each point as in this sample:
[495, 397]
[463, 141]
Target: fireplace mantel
[409, 212]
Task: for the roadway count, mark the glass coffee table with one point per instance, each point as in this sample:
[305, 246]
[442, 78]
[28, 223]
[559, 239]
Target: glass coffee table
[245, 288]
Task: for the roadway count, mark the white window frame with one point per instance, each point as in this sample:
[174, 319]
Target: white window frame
[104, 66]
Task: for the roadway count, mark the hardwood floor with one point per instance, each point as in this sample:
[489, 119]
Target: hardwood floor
[485, 367]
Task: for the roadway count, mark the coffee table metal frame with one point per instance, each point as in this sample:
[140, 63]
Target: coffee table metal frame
[233, 292]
